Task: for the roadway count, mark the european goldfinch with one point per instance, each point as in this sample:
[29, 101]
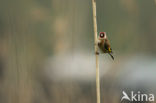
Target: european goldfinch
[104, 45]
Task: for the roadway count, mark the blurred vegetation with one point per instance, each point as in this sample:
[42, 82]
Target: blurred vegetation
[31, 31]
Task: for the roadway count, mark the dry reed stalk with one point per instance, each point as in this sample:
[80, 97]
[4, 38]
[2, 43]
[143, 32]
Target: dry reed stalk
[96, 51]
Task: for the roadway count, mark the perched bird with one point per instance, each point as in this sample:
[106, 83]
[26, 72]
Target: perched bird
[104, 45]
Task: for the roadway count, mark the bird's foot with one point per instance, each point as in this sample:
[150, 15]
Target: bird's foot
[97, 53]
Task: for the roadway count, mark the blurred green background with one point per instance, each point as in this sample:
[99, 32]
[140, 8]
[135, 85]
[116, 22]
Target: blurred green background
[47, 50]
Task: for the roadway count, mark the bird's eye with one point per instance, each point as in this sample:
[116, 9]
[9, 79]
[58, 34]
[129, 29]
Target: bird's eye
[101, 35]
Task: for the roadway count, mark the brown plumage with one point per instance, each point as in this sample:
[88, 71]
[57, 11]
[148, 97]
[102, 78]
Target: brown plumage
[104, 44]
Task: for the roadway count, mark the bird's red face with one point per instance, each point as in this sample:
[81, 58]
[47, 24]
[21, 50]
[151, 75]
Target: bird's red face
[102, 35]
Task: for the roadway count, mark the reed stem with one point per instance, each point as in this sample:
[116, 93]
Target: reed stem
[96, 51]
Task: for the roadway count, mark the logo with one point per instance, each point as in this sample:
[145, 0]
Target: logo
[137, 96]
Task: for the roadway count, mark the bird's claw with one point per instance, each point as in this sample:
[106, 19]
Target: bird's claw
[97, 53]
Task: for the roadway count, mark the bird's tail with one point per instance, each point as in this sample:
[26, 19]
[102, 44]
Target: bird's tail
[111, 56]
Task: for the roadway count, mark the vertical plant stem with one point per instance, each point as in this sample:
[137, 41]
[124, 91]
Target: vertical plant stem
[96, 51]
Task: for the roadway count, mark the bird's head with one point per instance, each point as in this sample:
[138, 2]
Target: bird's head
[102, 35]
